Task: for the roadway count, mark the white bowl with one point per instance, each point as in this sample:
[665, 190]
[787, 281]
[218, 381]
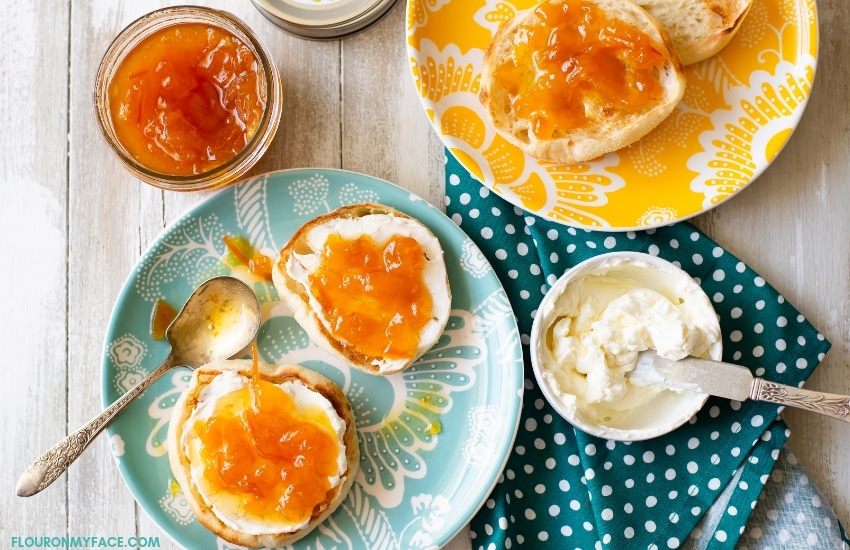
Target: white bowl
[600, 401]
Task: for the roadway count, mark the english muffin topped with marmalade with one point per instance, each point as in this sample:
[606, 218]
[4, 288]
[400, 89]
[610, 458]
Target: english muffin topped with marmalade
[368, 284]
[570, 80]
[263, 453]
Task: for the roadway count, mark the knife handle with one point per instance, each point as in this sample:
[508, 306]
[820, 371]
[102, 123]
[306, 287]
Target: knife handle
[829, 404]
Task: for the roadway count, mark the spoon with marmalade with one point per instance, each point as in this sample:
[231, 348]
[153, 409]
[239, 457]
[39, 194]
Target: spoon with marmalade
[220, 319]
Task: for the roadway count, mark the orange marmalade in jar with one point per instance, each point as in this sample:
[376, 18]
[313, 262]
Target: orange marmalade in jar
[188, 98]
[580, 57]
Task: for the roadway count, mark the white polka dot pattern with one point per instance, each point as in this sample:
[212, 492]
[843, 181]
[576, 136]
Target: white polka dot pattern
[565, 489]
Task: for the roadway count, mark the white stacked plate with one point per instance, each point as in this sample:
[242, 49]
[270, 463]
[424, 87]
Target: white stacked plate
[323, 19]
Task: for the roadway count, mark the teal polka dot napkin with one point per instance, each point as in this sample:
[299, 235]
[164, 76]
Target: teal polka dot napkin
[562, 488]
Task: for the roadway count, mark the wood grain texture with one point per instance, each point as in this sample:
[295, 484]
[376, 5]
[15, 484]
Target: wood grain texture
[75, 223]
[33, 225]
[385, 131]
[792, 225]
[103, 246]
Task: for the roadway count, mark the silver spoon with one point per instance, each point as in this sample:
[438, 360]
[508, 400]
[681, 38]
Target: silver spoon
[218, 321]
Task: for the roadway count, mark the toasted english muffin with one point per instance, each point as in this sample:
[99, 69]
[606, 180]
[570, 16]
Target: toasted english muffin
[552, 90]
[698, 29]
[330, 326]
[213, 396]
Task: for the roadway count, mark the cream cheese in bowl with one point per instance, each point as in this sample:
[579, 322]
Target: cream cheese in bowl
[590, 327]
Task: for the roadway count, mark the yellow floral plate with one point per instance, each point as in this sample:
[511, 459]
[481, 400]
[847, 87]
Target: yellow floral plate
[738, 111]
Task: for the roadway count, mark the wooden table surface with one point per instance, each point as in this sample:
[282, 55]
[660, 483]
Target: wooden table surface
[73, 224]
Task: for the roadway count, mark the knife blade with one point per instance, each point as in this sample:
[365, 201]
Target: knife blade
[733, 382]
[695, 375]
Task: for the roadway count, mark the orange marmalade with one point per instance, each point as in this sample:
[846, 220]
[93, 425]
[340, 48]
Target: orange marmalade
[162, 315]
[374, 295]
[575, 57]
[257, 263]
[275, 456]
[187, 99]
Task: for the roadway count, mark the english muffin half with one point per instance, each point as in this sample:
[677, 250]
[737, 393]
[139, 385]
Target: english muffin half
[368, 284]
[570, 80]
[262, 453]
[698, 29]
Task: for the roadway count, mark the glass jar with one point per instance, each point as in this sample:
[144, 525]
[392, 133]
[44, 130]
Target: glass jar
[155, 132]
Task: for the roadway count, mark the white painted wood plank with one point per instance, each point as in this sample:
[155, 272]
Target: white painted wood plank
[385, 131]
[793, 226]
[104, 206]
[33, 225]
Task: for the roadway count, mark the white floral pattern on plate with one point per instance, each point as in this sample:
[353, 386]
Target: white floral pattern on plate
[414, 428]
[680, 169]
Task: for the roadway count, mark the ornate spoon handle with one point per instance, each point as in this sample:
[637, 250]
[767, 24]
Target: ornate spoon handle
[830, 404]
[56, 460]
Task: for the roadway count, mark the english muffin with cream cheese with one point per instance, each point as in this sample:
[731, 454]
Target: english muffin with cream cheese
[368, 284]
[263, 453]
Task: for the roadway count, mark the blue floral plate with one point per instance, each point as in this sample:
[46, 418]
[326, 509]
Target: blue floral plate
[433, 439]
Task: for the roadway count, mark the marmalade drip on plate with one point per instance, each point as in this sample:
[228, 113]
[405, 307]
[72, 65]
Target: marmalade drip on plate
[187, 99]
[374, 295]
[274, 456]
[583, 64]
[161, 316]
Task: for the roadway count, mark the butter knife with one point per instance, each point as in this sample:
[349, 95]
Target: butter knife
[733, 382]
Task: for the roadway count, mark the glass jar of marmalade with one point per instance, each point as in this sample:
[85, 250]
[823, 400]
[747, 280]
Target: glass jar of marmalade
[188, 98]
